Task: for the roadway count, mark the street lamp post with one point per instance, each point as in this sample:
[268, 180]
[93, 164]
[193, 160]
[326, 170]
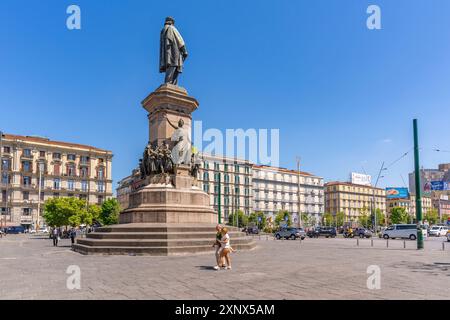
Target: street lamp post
[373, 197]
[1, 173]
[40, 164]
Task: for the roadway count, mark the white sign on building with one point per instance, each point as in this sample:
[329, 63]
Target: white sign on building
[359, 178]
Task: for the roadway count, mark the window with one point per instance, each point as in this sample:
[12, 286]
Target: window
[216, 177]
[57, 169]
[56, 156]
[206, 165]
[100, 160]
[247, 180]
[100, 186]
[7, 149]
[206, 187]
[83, 197]
[56, 195]
[6, 164]
[26, 212]
[26, 195]
[216, 188]
[42, 154]
[225, 167]
[100, 200]
[84, 159]
[236, 179]
[42, 182]
[71, 171]
[247, 170]
[84, 172]
[71, 185]
[26, 152]
[42, 196]
[56, 183]
[27, 181]
[216, 166]
[226, 190]
[101, 173]
[84, 185]
[205, 176]
[227, 178]
[5, 178]
[26, 166]
[236, 168]
[71, 157]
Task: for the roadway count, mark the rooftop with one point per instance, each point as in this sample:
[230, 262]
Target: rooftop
[36, 139]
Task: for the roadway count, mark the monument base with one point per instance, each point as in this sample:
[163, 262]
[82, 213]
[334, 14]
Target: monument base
[157, 239]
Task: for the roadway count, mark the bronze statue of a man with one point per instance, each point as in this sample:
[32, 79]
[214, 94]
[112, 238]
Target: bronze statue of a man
[172, 52]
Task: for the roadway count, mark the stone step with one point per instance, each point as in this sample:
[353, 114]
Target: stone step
[154, 227]
[153, 251]
[159, 235]
[155, 242]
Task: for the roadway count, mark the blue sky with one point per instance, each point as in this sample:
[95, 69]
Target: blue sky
[342, 96]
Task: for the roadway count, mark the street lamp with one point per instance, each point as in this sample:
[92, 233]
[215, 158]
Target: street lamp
[373, 196]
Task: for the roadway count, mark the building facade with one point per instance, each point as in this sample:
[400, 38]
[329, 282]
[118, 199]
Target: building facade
[30, 165]
[442, 173]
[233, 177]
[353, 199]
[276, 189]
[409, 204]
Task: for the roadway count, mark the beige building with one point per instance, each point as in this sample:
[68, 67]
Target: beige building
[351, 199]
[56, 169]
[276, 189]
[409, 204]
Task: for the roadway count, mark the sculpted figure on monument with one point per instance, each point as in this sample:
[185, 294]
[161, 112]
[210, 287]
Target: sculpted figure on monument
[167, 158]
[181, 152]
[172, 52]
[152, 160]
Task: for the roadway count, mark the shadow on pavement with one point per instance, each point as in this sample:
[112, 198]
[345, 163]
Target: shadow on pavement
[206, 268]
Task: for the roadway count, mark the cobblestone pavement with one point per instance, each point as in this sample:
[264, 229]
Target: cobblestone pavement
[31, 268]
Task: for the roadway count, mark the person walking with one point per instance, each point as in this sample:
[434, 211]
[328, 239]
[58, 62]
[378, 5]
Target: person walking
[55, 234]
[72, 235]
[217, 247]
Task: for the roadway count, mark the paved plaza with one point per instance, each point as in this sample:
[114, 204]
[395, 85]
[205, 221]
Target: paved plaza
[31, 268]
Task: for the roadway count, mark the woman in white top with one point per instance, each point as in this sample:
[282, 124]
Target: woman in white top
[226, 247]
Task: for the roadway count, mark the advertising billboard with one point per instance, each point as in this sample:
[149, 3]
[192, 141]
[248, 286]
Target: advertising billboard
[438, 185]
[359, 178]
[393, 192]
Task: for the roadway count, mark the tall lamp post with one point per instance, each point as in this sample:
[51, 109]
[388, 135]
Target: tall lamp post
[41, 168]
[418, 187]
[1, 173]
[373, 197]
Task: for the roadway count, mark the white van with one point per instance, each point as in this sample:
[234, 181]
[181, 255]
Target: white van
[401, 231]
[438, 231]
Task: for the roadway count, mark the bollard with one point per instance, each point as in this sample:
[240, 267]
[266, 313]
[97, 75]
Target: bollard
[259, 237]
[371, 242]
[404, 244]
[387, 243]
[357, 242]
[267, 238]
[443, 246]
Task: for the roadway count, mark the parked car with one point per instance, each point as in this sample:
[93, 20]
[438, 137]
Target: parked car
[15, 230]
[448, 236]
[327, 232]
[400, 231]
[252, 230]
[438, 231]
[43, 230]
[290, 233]
[363, 233]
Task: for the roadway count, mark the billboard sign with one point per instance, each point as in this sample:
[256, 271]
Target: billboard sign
[359, 178]
[393, 192]
[436, 186]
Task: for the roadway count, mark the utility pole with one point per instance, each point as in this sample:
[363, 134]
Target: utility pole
[373, 198]
[418, 188]
[298, 194]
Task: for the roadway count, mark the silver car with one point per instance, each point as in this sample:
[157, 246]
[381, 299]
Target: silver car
[290, 233]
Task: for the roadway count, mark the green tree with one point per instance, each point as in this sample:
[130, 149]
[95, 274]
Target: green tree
[340, 219]
[64, 211]
[327, 219]
[432, 216]
[253, 219]
[399, 215]
[306, 219]
[281, 217]
[238, 217]
[109, 212]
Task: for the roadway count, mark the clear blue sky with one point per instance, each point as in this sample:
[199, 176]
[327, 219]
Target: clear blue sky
[343, 96]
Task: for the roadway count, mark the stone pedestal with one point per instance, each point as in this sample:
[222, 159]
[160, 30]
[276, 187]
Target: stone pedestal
[168, 213]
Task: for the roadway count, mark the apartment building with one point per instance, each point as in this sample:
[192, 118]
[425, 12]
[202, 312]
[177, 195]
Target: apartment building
[351, 199]
[34, 169]
[276, 189]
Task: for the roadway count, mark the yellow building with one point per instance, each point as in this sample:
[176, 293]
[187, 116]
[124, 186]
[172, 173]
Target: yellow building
[63, 169]
[409, 204]
[352, 199]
